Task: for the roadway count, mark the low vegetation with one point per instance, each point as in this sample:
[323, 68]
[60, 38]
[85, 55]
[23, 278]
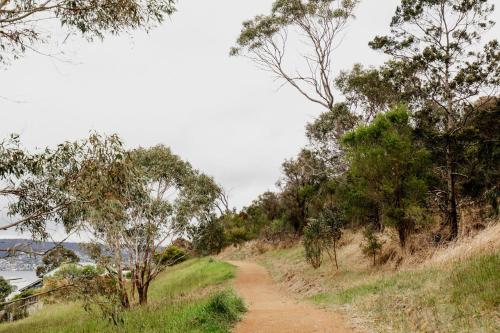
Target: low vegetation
[449, 291]
[191, 297]
[462, 298]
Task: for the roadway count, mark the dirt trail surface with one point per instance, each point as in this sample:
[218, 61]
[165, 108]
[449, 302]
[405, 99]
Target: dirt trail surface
[272, 311]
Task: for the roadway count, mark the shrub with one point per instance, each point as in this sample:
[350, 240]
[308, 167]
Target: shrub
[24, 294]
[390, 171]
[322, 234]
[372, 245]
[55, 258]
[226, 304]
[172, 256]
[92, 285]
[208, 237]
[315, 241]
[5, 289]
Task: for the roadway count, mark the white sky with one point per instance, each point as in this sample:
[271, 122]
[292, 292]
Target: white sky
[178, 86]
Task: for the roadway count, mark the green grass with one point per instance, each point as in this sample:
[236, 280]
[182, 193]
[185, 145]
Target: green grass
[465, 298]
[192, 297]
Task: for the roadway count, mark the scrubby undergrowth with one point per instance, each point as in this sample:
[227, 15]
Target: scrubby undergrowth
[447, 289]
[192, 297]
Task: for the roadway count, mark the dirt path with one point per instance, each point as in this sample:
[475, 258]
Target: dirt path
[272, 311]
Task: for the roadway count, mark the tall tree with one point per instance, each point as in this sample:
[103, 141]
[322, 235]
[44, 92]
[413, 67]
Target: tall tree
[23, 23]
[390, 169]
[318, 24]
[148, 196]
[438, 39]
[175, 194]
[301, 180]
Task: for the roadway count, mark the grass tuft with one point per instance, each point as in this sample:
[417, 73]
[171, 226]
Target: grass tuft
[225, 306]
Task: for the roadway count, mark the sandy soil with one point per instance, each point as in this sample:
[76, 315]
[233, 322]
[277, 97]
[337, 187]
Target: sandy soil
[270, 310]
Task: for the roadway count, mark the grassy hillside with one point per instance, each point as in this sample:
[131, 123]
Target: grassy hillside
[465, 298]
[456, 294]
[192, 297]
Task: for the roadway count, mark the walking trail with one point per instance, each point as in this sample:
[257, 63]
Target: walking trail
[272, 311]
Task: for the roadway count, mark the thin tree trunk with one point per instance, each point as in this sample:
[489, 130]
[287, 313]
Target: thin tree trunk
[452, 213]
[452, 199]
[335, 254]
[121, 284]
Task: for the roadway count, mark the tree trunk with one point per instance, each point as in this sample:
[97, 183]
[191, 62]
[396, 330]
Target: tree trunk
[452, 198]
[142, 292]
[452, 213]
[335, 254]
[121, 283]
[402, 235]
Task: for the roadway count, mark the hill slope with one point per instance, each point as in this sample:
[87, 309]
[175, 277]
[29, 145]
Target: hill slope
[448, 289]
[192, 297]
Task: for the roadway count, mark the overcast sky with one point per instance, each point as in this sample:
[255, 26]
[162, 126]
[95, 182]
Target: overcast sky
[178, 86]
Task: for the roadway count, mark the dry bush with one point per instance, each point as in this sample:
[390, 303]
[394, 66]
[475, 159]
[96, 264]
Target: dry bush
[261, 247]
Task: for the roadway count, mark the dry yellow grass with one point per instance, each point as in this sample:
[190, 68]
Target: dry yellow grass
[411, 292]
[486, 241]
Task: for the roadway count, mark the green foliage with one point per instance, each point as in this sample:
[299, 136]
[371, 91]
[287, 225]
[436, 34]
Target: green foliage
[300, 184]
[478, 154]
[92, 286]
[208, 237]
[315, 242]
[146, 195]
[5, 289]
[75, 272]
[92, 19]
[440, 41]
[284, 13]
[187, 298]
[55, 258]
[373, 245]
[226, 305]
[172, 256]
[236, 229]
[322, 234]
[25, 293]
[389, 169]
[370, 91]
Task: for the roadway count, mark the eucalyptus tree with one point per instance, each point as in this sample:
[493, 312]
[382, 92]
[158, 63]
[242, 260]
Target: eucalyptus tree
[43, 186]
[318, 24]
[176, 194]
[296, 43]
[440, 41]
[148, 197]
[388, 168]
[23, 24]
[300, 183]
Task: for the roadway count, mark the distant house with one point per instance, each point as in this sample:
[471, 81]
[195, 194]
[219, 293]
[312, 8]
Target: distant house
[38, 282]
[33, 285]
